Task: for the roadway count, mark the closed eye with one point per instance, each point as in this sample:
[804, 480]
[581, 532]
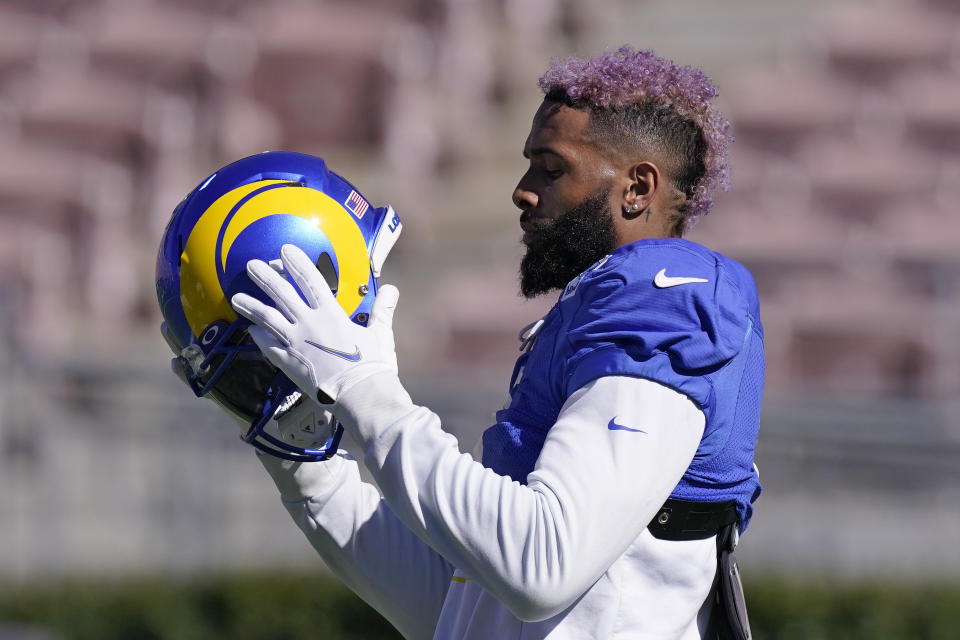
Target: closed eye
[551, 163]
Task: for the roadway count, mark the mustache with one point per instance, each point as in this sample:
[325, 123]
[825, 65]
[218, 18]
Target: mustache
[531, 222]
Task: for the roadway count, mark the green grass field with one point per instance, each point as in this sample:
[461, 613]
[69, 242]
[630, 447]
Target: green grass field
[292, 606]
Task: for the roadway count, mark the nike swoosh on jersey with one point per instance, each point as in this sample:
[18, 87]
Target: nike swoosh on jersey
[663, 281]
[613, 426]
[352, 357]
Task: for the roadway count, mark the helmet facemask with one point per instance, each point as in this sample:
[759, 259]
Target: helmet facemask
[215, 355]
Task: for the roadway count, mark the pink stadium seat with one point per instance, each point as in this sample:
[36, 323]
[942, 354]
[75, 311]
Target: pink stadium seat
[931, 101]
[814, 302]
[147, 39]
[770, 106]
[872, 42]
[299, 29]
[320, 70]
[846, 335]
[856, 176]
[775, 235]
[919, 231]
[90, 110]
[21, 192]
[19, 34]
[479, 327]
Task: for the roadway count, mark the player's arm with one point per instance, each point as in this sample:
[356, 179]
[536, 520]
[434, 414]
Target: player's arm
[537, 547]
[363, 542]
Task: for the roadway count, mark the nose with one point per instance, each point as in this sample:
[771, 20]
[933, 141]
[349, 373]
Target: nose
[523, 197]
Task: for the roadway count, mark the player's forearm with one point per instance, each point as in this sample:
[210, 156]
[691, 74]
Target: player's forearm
[445, 496]
[536, 547]
[363, 543]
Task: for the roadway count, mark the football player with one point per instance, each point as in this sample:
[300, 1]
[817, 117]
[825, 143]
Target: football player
[610, 493]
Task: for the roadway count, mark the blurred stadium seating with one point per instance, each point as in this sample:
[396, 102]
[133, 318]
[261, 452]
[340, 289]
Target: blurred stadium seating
[846, 184]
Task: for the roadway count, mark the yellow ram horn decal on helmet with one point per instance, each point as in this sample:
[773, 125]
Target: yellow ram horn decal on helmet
[201, 290]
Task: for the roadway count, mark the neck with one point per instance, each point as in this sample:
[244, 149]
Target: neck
[650, 223]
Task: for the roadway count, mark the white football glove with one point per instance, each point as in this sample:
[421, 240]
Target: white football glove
[314, 342]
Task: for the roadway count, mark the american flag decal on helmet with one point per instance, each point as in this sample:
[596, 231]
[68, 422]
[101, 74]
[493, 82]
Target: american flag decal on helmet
[356, 204]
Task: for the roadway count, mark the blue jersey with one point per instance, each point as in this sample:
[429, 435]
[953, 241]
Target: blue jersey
[667, 310]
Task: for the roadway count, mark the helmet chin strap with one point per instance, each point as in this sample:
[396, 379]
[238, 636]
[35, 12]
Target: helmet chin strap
[298, 429]
[303, 423]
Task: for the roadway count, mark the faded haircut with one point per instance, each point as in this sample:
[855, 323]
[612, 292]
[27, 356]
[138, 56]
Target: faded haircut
[641, 102]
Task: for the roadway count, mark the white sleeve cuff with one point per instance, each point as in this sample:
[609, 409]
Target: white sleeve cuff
[368, 410]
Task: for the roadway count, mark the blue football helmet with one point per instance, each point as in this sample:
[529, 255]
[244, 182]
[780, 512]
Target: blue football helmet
[246, 210]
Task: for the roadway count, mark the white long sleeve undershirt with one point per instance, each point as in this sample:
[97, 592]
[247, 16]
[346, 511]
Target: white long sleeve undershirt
[453, 550]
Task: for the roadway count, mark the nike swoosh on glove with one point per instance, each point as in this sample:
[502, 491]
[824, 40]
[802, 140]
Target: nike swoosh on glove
[314, 342]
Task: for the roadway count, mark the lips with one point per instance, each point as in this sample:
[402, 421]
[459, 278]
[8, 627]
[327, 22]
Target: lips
[531, 225]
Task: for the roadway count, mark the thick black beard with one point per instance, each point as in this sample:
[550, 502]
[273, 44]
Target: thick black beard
[564, 249]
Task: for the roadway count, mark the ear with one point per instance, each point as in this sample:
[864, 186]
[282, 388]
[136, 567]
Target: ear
[644, 180]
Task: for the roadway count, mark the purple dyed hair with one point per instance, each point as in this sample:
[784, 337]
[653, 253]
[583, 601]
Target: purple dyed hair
[628, 78]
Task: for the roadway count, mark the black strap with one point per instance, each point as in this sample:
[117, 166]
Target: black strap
[728, 618]
[688, 520]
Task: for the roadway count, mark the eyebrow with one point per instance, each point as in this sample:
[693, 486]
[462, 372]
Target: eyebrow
[540, 151]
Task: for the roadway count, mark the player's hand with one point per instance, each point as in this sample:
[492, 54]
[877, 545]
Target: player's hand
[314, 342]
